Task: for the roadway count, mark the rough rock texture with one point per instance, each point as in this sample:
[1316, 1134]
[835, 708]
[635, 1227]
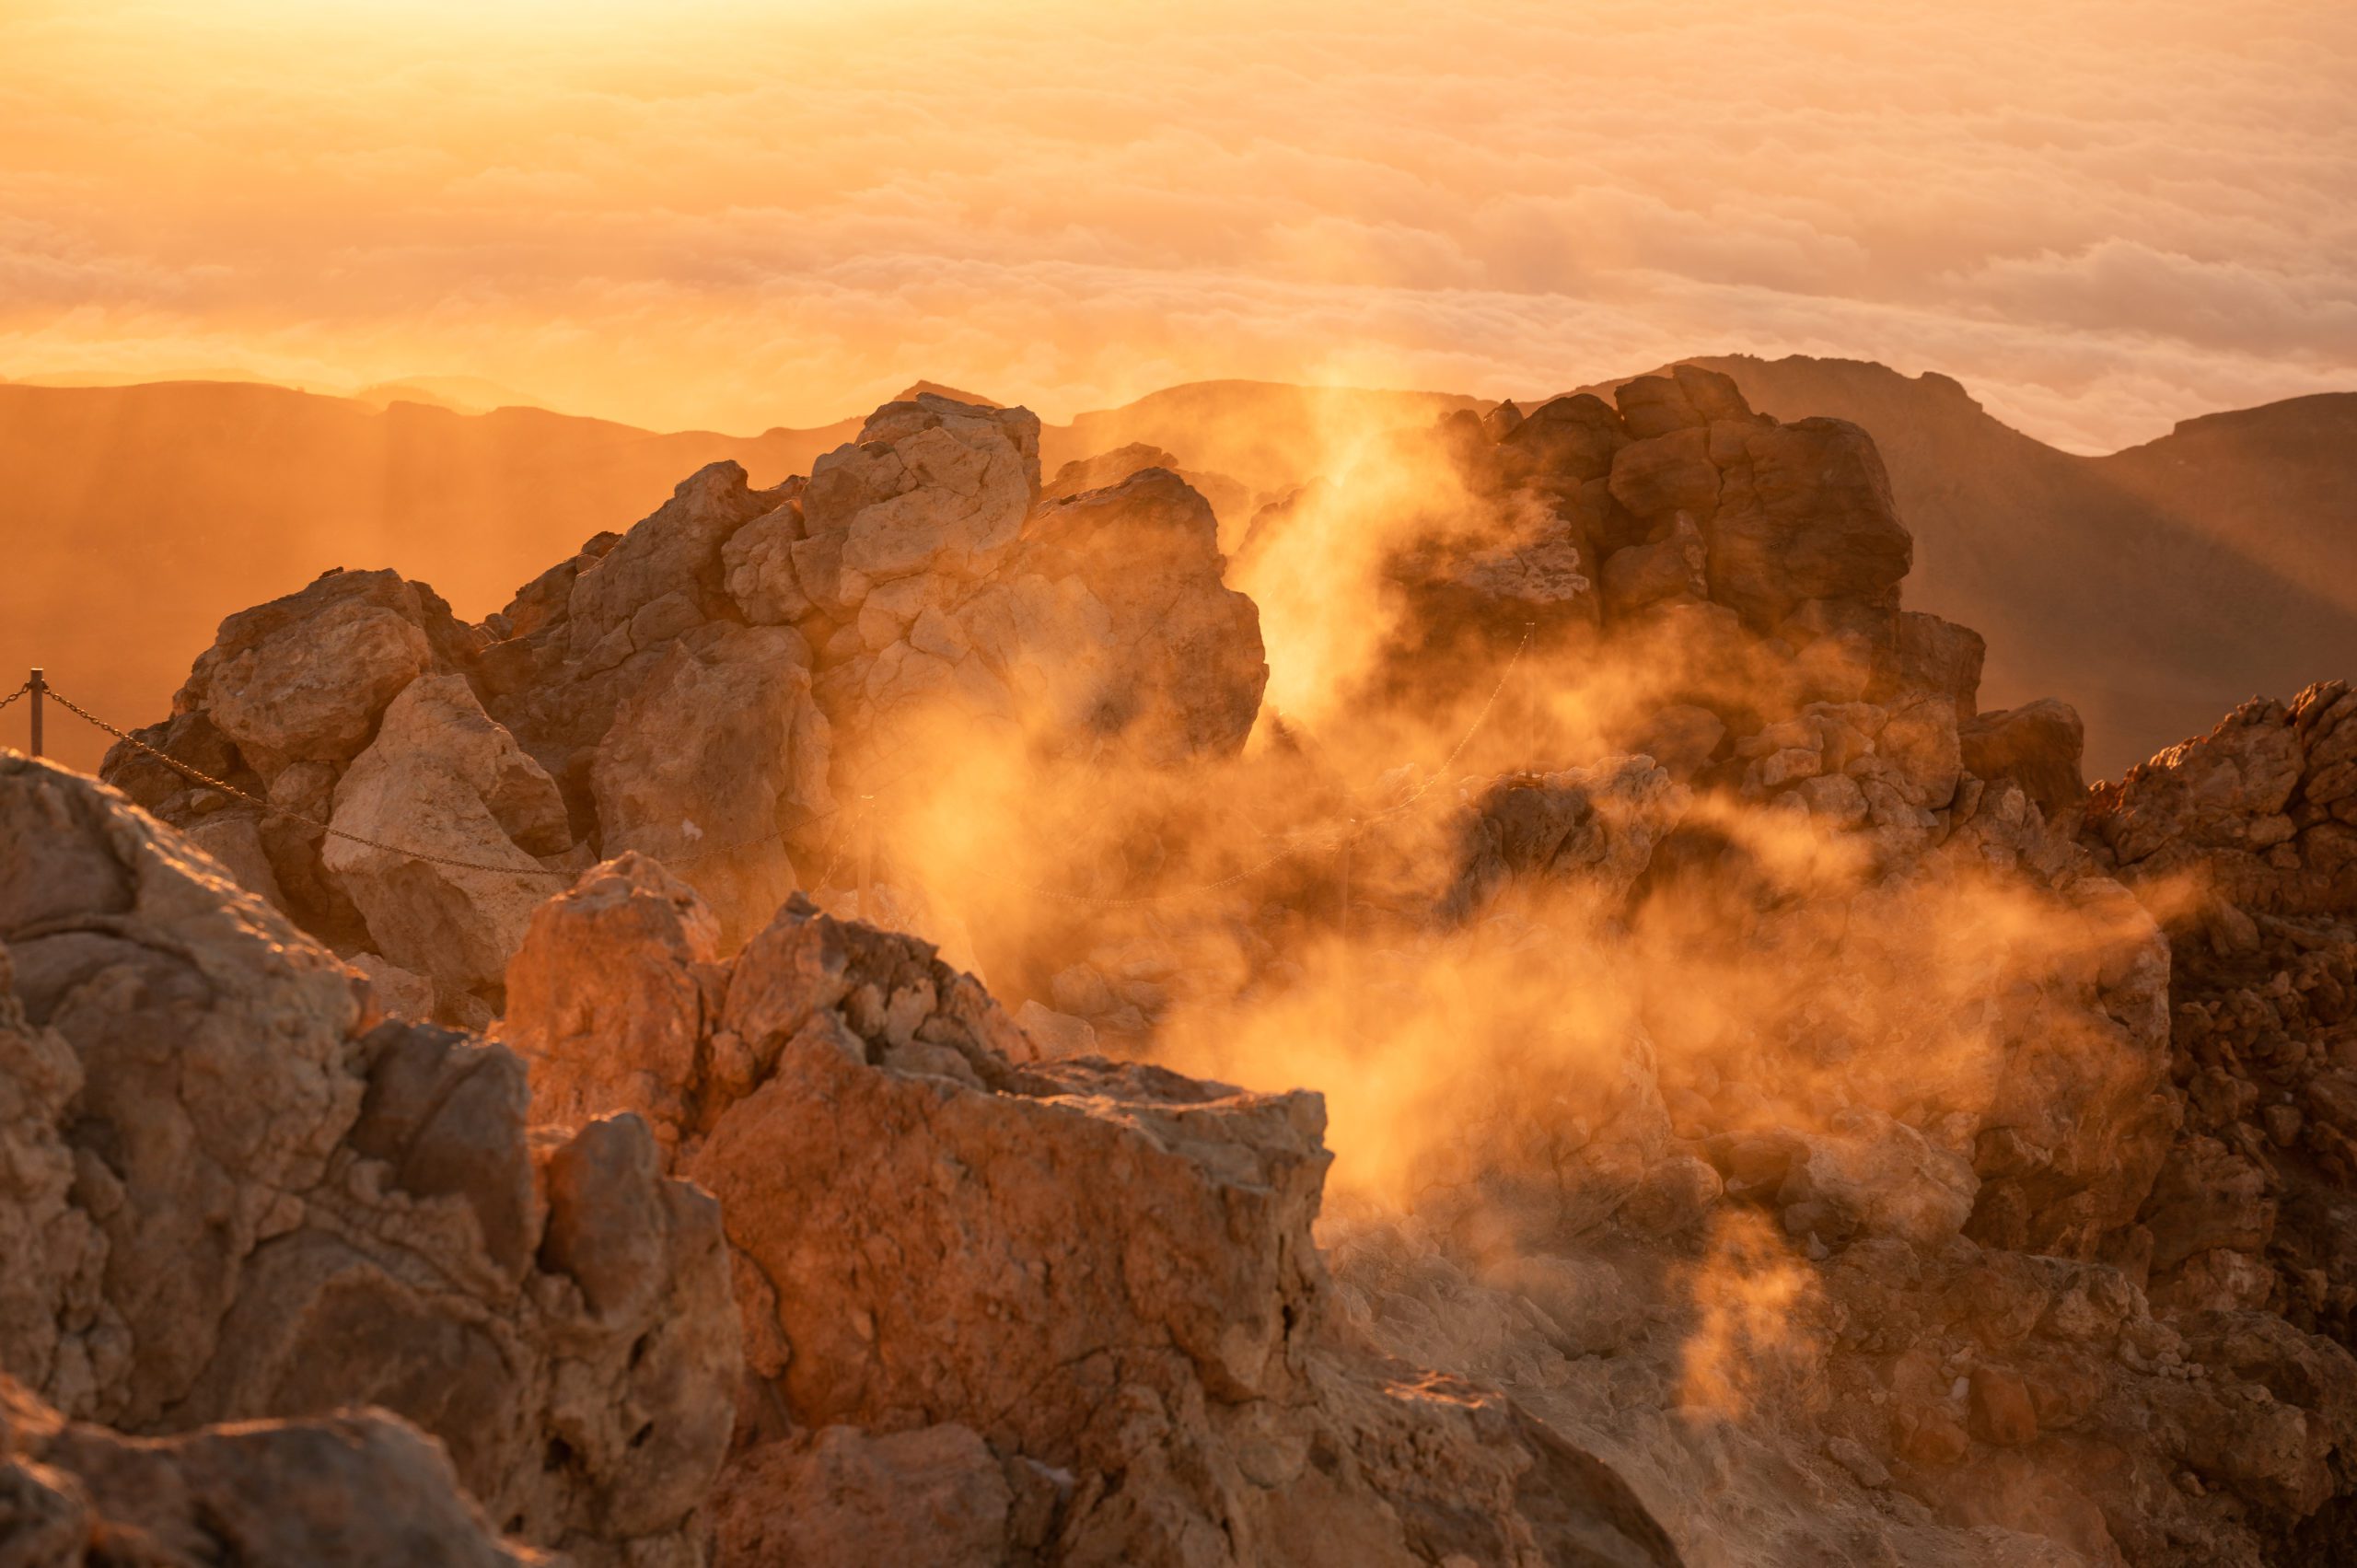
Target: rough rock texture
[1120, 1350]
[236, 1194]
[1229, 500]
[1184, 673]
[364, 1489]
[1779, 1078]
[2037, 746]
[442, 779]
[709, 688]
[719, 745]
[2263, 809]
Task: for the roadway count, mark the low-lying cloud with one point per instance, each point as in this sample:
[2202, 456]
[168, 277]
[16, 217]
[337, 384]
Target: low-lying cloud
[2102, 216]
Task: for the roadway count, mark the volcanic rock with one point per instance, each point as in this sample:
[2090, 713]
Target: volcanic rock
[441, 780]
[1120, 1283]
[2037, 746]
[237, 1196]
[362, 1488]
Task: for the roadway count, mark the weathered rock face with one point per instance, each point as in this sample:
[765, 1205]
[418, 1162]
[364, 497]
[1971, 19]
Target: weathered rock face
[304, 678]
[1875, 1144]
[705, 759]
[2037, 746]
[237, 1195]
[1182, 671]
[441, 779]
[1230, 502]
[1748, 568]
[2263, 808]
[2239, 841]
[1119, 1351]
[705, 689]
[1805, 516]
[360, 1488]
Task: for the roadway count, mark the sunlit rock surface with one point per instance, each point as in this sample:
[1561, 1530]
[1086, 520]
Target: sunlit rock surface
[1076, 1305]
[236, 1194]
[1767, 1094]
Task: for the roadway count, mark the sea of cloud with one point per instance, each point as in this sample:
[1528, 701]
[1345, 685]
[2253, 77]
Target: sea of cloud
[2102, 215]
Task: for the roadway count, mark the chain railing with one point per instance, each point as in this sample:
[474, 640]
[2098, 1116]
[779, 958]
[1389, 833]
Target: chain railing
[1304, 846]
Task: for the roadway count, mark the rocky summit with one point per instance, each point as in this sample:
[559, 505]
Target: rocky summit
[1504, 1005]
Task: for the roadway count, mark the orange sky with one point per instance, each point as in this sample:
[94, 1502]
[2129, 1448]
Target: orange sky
[2102, 216]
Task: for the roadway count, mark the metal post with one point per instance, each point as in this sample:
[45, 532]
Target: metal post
[39, 686]
[867, 857]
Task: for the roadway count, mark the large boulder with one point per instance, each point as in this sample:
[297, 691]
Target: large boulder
[438, 836]
[363, 1488]
[238, 1195]
[1182, 666]
[931, 486]
[2037, 745]
[1113, 1283]
[1805, 513]
[717, 754]
[2263, 808]
[305, 677]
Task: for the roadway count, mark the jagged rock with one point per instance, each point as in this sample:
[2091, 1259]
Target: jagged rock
[930, 486]
[234, 838]
[2261, 808]
[305, 677]
[441, 779]
[606, 997]
[1939, 656]
[397, 992]
[1805, 513]
[2019, 1215]
[1688, 397]
[1868, 1174]
[1681, 737]
[1108, 629]
[1671, 567]
[1563, 445]
[1058, 1034]
[1664, 475]
[363, 1488]
[718, 752]
[275, 1210]
[665, 576]
[1596, 826]
[1119, 1280]
[934, 1497]
[1185, 670]
[2036, 745]
[759, 560]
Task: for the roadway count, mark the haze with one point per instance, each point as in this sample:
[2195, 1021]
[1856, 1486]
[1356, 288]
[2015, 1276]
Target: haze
[2102, 217]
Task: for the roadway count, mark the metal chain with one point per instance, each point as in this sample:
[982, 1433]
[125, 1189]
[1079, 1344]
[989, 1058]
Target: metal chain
[1329, 841]
[16, 694]
[1467, 739]
[452, 862]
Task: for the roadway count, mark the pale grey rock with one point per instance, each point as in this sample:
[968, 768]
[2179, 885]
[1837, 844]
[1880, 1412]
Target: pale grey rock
[441, 779]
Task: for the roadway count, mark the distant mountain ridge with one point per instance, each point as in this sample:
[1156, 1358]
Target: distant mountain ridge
[2153, 588]
[2150, 588]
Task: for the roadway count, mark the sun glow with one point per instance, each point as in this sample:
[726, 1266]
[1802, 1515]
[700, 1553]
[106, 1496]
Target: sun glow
[726, 214]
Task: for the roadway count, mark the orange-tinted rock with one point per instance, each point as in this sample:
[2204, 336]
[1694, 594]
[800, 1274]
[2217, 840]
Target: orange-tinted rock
[2002, 1410]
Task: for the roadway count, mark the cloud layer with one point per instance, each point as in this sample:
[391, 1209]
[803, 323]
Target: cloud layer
[2101, 215]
